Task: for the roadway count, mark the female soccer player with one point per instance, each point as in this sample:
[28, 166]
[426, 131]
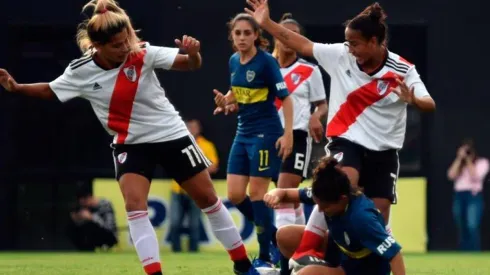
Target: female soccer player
[116, 75]
[305, 85]
[357, 242]
[370, 89]
[256, 82]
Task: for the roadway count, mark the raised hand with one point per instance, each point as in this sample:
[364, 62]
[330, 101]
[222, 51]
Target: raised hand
[259, 11]
[7, 81]
[189, 45]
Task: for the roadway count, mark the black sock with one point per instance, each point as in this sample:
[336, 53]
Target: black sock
[285, 266]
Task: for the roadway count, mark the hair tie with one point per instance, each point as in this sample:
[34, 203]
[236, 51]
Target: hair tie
[104, 10]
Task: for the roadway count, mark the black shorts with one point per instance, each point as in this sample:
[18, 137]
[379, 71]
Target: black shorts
[180, 158]
[378, 170]
[298, 162]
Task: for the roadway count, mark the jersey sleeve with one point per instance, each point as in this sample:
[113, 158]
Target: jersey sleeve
[67, 85]
[162, 57]
[317, 88]
[412, 79]
[276, 81]
[374, 237]
[305, 196]
[328, 55]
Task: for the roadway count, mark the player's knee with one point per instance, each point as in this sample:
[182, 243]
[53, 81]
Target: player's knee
[135, 203]
[236, 197]
[286, 240]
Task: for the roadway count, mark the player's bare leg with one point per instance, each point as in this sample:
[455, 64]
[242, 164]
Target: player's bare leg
[288, 213]
[201, 190]
[135, 189]
[237, 194]
[318, 269]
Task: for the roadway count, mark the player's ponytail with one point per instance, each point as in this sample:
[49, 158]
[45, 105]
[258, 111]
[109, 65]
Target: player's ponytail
[371, 23]
[330, 182]
[261, 42]
[107, 20]
[287, 18]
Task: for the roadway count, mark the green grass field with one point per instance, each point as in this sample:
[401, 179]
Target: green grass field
[208, 264]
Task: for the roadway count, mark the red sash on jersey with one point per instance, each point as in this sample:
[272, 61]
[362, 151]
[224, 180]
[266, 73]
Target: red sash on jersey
[293, 79]
[122, 99]
[358, 100]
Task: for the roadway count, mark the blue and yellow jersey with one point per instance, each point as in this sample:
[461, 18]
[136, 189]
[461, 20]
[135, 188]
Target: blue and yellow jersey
[359, 234]
[255, 86]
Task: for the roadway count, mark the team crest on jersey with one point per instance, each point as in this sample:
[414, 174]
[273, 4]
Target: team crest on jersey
[382, 86]
[346, 237]
[250, 76]
[295, 78]
[121, 158]
[131, 73]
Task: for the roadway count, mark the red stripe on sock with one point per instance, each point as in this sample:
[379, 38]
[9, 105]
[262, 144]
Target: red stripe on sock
[136, 216]
[215, 209]
[153, 268]
[239, 253]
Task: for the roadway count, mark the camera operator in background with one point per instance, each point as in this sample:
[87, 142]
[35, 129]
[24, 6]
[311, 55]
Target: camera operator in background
[468, 171]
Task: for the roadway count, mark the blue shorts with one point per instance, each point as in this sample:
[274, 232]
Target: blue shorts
[255, 156]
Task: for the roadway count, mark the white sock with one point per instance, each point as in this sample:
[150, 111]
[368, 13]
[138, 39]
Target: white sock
[316, 222]
[300, 215]
[285, 215]
[225, 230]
[145, 240]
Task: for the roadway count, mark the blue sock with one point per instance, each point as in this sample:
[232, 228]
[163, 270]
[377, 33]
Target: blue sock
[273, 231]
[245, 207]
[263, 226]
[285, 266]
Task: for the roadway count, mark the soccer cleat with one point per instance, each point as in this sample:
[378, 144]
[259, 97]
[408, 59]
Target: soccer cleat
[297, 263]
[264, 268]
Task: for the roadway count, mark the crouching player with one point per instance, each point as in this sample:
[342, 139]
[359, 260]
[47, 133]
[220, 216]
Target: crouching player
[356, 243]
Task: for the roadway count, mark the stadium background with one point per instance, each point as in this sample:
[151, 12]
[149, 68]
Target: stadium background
[47, 149]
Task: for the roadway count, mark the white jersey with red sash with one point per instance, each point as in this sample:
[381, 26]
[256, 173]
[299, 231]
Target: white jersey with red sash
[305, 85]
[362, 107]
[128, 100]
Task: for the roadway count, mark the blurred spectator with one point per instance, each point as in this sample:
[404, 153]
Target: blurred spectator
[93, 223]
[468, 172]
[181, 204]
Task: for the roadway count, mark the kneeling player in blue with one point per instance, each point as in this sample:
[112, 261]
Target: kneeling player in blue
[260, 141]
[357, 242]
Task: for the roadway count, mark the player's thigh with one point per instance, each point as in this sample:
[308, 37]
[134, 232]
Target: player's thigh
[184, 161]
[348, 154]
[134, 165]
[288, 238]
[323, 270]
[294, 169]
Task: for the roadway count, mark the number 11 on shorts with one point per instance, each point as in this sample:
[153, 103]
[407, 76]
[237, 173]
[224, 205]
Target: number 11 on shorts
[263, 159]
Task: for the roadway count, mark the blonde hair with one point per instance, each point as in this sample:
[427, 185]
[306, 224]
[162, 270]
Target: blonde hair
[107, 20]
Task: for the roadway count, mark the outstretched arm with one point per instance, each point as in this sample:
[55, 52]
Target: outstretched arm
[295, 41]
[40, 90]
